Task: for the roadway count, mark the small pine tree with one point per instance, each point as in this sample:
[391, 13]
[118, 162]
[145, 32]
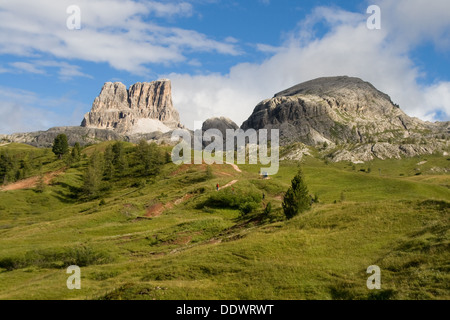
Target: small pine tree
[76, 152]
[109, 170]
[60, 145]
[40, 185]
[296, 199]
[120, 160]
[92, 178]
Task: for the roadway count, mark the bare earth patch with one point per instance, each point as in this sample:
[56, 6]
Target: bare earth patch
[155, 210]
[30, 183]
[228, 184]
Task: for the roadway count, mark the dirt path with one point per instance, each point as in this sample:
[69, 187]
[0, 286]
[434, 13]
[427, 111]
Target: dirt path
[229, 184]
[235, 167]
[158, 208]
[32, 182]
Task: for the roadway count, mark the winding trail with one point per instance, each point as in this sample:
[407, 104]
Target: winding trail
[30, 183]
[228, 184]
[235, 167]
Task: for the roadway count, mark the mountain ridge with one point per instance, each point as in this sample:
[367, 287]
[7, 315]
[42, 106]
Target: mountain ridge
[346, 111]
[127, 110]
[346, 118]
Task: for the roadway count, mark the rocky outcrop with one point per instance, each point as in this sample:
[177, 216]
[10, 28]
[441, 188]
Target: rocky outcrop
[220, 123]
[346, 111]
[146, 107]
[84, 136]
[45, 139]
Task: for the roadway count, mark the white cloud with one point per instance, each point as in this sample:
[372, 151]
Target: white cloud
[411, 22]
[437, 98]
[66, 71]
[113, 31]
[25, 111]
[26, 67]
[170, 9]
[349, 48]
[118, 34]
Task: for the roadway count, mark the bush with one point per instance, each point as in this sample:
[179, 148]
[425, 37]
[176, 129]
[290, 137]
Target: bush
[83, 256]
[237, 200]
[56, 258]
[12, 263]
[268, 209]
[248, 207]
[208, 210]
[316, 198]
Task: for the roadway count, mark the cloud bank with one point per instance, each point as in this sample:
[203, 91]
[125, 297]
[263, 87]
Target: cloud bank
[348, 48]
[112, 31]
[128, 36]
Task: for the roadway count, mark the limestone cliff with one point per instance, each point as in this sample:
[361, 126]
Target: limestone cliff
[145, 107]
[357, 121]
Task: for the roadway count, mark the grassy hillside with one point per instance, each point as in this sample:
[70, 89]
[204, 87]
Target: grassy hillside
[171, 235]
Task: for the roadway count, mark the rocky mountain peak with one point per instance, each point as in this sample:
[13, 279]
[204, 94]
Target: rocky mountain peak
[144, 107]
[334, 86]
[343, 111]
[220, 123]
[113, 96]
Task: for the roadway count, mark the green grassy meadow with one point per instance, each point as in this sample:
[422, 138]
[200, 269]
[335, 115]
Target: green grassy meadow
[163, 237]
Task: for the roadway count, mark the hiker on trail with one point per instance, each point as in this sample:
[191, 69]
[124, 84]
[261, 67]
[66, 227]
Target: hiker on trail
[264, 196]
[217, 187]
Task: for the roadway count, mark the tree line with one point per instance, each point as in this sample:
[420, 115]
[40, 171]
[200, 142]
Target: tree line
[101, 169]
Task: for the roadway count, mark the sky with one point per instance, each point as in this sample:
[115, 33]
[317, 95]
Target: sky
[223, 57]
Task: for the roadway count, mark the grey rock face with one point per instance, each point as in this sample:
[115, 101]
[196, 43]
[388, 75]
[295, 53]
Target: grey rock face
[45, 139]
[144, 108]
[221, 124]
[84, 136]
[342, 110]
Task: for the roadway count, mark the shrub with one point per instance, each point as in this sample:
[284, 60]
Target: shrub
[11, 263]
[316, 198]
[56, 258]
[83, 256]
[228, 199]
[268, 209]
[248, 207]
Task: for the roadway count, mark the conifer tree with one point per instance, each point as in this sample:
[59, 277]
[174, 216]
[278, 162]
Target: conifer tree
[108, 172]
[93, 176]
[60, 145]
[296, 199]
[120, 161]
[76, 152]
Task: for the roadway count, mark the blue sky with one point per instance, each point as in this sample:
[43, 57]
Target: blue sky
[223, 57]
